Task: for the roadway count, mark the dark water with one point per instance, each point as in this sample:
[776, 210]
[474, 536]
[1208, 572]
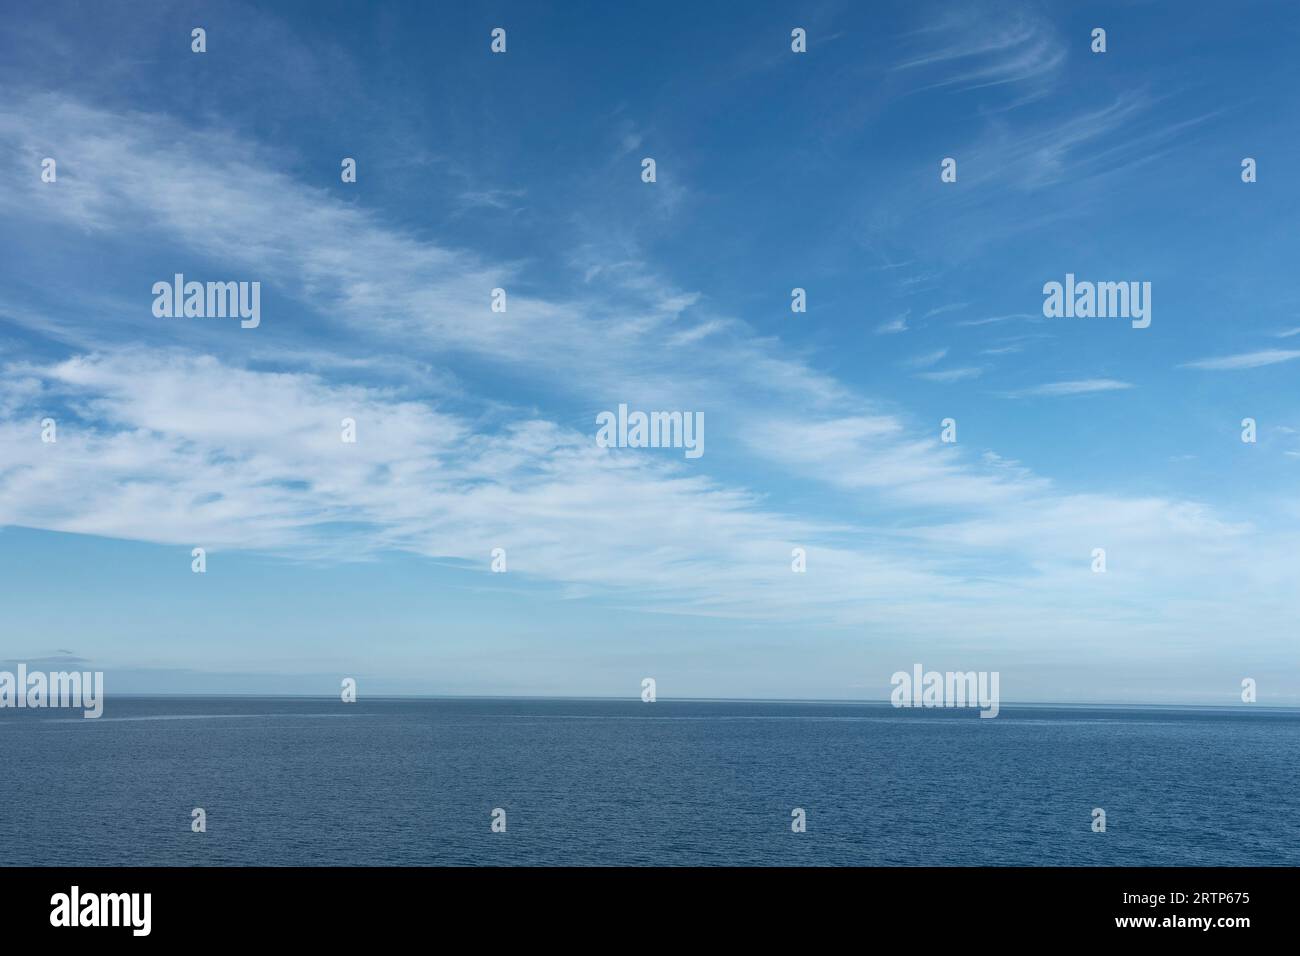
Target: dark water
[302, 781]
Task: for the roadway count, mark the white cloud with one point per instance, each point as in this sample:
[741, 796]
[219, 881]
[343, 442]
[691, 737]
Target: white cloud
[193, 449]
[1086, 386]
[972, 49]
[999, 318]
[894, 325]
[952, 374]
[941, 310]
[929, 358]
[1245, 360]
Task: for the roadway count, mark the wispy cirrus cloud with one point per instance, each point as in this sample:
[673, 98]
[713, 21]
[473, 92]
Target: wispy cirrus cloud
[368, 281]
[928, 359]
[952, 374]
[1101, 142]
[501, 199]
[1244, 360]
[942, 309]
[977, 46]
[895, 325]
[1086, 386]
[995, 319]
[257, 463]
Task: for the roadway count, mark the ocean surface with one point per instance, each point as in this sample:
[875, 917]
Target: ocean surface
[414, 782]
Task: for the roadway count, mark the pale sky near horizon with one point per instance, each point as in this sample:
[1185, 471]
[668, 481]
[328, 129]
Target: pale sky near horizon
[476, 429]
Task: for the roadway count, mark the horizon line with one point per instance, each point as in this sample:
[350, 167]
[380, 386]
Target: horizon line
[717, 700]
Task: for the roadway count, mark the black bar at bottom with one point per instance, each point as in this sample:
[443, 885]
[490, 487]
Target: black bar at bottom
[655, 907]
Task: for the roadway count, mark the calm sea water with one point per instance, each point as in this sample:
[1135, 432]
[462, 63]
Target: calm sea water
[414, 782]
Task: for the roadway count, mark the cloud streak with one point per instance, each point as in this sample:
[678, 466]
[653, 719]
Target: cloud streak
[1244, 360]
[1087, 386]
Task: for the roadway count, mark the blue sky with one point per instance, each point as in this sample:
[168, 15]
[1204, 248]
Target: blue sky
[476, 429]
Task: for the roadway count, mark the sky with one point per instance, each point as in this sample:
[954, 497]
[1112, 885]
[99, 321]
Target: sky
[476, 430]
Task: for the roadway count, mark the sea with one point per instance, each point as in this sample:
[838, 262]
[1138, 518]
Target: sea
[421, 782]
